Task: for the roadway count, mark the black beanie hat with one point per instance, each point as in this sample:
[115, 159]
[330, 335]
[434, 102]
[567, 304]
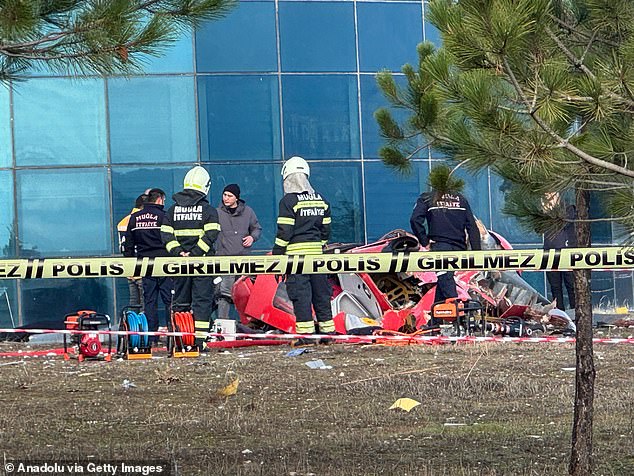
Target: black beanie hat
[232, 188]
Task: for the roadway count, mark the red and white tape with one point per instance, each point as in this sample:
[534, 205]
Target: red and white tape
[356, 339]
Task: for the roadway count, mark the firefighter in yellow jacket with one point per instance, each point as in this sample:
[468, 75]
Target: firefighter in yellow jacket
[303, 228]
[190, 228]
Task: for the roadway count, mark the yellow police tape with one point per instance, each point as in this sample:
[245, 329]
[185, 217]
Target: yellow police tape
[532, 260]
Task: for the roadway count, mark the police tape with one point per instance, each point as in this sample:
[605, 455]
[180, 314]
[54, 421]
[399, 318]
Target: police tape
[340, 338]
[529, 260]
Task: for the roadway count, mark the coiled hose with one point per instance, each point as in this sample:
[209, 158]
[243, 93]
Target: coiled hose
[184, 322]
[138, 323]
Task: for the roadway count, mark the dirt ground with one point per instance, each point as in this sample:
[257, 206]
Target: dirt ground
[486, 409]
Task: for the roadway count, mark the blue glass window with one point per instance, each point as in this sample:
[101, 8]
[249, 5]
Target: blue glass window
[130, 182]
[537, 279]
[152, 119]
[340, 184]
[260, 187]
[400, 205]
[602, 284]
[225, 45]
[258, 183]
[623, 287]
[317, 36]
[176, 58]
[7, 237]
[8, 304]
[506, 225]
[63, 212]
[372, 99]
[431, 32]
[5, 128]
[601, 232]
[476, 191]
[60, 122]
[239, 117]
[45, 302]
[390, 197]
[321, 116]
[388, 35]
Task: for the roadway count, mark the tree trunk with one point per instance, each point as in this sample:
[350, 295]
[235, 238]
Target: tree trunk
[581, 452]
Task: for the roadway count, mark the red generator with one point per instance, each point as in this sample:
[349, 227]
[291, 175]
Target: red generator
[86, 340]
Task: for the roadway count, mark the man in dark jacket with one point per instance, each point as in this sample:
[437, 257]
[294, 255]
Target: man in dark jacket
[449, 221]
[565, 237]
[239, 230]
[190, 229]
[143, 239]
[303, 228]
[135, 284]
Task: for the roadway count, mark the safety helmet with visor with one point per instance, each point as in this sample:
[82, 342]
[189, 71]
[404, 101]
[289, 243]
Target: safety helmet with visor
[293, 165]
[197, 179]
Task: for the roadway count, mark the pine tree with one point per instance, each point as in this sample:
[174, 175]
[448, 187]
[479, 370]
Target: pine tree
[542, 93]
[79, 37]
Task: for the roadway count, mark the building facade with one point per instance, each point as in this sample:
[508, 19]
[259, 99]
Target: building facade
[271, 80]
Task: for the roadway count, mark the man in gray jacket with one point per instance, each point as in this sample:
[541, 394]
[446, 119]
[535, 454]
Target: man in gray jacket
[239, 230]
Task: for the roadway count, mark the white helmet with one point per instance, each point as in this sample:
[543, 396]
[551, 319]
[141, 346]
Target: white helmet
[197, 179]
[295, 164]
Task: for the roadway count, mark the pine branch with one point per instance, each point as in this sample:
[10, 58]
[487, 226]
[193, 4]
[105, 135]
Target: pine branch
[101, 37]
[567, 145]
[578, 63]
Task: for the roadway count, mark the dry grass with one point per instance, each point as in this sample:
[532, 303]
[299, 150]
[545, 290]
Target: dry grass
[486, 410]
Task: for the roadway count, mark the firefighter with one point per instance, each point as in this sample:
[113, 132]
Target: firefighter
[449, 220]
[303, 228]
[143, 239]
[190, 229]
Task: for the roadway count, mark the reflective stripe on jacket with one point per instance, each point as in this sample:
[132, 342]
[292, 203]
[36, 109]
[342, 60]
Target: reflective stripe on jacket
[303, 224]
[191, 225]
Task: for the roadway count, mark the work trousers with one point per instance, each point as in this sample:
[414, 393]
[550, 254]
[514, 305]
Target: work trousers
[199, 292]
[445, 282]
[305, 290]
[224, 296]
[136, 292]
[557, 280]
[152, 289]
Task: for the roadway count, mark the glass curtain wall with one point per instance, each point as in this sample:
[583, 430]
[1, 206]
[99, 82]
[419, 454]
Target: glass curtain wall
[75, 153]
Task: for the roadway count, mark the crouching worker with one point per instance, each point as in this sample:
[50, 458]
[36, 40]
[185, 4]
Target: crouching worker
[190, 229]
[303, 228]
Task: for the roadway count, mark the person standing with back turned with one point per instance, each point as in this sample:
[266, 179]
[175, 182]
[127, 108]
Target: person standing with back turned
[303, 228]
[143, 239]
[190, 229]
[449, 222]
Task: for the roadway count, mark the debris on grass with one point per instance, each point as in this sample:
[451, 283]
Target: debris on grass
[405, 404]
[230, 389]
[318, 365]
[296, 352]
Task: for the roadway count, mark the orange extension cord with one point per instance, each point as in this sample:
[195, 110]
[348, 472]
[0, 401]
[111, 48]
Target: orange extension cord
[386, 332]
[184, 322]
